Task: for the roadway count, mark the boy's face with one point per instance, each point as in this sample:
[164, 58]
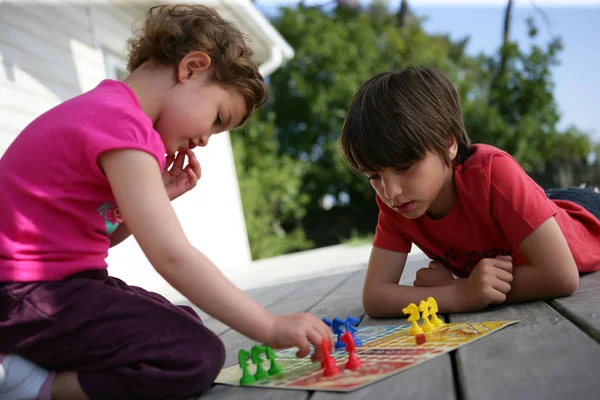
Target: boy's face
[417, 188]
[195, 110]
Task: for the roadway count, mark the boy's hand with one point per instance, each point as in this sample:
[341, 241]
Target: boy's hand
[436, 274]
[300, 330]
[179, 180]
[489, 283]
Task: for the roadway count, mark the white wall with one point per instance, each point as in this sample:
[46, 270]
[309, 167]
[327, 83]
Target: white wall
[52, 52]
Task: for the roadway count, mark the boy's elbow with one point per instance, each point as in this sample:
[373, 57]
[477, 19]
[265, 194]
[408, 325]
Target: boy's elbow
[569, 285]
[370, 304]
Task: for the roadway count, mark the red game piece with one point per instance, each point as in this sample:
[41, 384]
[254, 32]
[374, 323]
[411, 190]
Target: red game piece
[421, 338]
[353, 361]
[328, 362]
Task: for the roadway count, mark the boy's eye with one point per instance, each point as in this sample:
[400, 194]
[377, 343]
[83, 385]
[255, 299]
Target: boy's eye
[218, 120]
[373, 177]
[404, 167]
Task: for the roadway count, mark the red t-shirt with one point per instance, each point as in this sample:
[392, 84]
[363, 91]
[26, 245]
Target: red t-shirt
[497, 206]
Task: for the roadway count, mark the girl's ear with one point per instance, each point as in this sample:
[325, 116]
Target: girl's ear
[193, 64]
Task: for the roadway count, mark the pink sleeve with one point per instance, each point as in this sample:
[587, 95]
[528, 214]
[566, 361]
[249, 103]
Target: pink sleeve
[125, 131]
[518, 204]
[387, 235]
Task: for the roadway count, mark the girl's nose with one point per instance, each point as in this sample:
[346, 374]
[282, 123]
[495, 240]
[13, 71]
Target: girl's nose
[203, 140]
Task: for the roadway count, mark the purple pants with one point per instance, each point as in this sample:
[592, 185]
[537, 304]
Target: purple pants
[123, 342]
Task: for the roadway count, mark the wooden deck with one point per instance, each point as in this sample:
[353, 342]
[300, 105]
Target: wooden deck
[553, 353]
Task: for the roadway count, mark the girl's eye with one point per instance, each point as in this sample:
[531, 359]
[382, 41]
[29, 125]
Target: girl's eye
[373, 177]
[218, 120]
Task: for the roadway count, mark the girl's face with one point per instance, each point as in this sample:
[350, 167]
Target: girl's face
[425, 186]
[194, 110]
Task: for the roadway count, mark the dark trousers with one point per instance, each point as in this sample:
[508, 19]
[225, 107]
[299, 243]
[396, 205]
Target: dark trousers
[123, 342]
[585, 197]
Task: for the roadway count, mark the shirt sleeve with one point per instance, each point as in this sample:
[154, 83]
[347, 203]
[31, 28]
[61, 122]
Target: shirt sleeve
[387, 235]
[126, 131]
[518, 204]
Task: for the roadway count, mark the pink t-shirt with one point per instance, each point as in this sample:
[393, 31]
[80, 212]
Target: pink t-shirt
[58, 210]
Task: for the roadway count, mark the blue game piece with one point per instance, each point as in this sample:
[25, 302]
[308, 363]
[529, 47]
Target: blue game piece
[337, 325]
[350, 327]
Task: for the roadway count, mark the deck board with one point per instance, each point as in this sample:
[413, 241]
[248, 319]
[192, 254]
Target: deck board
[583, 308]
[544, 356]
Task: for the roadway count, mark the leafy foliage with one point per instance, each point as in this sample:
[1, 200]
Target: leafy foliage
[287, 159]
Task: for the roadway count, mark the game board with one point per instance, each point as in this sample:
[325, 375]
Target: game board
[386, 350]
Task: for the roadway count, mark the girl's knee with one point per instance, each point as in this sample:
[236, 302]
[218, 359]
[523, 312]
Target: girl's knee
[207, 361]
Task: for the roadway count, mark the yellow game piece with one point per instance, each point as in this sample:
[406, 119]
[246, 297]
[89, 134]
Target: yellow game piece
[433, 309]
[412, 309]
[424, 308]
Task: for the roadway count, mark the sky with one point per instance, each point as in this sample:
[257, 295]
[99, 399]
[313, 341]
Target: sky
[577, 78]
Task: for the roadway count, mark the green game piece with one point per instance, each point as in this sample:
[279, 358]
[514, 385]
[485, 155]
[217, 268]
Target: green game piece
[257, 360]
[275, 368]
[247, 377]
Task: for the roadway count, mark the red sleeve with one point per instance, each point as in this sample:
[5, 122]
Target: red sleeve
[518, 204]
[387, 235]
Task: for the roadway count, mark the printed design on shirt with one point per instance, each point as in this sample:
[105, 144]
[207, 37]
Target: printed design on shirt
[111, 215]
[473, 257]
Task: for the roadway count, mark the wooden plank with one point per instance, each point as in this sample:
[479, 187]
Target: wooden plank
[222, 392]
[345, 300]
[544, 356]
[583, 308]
[268, 297]
[304, 300]
[320, 297]
[431, 380]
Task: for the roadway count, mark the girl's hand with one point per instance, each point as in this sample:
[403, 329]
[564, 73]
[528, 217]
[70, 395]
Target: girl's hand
[301, 329]
[436, 274]
[179, 180]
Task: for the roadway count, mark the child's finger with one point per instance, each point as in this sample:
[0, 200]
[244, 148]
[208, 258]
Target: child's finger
[316, 338]
[192, 178]
[193, 163]
[179, 160]
[504, 276]
[325, 332]
[304, 348]
[502, 286]
[169, 160]
[502, 264]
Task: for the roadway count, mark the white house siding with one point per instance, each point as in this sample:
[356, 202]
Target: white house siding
[50, 52]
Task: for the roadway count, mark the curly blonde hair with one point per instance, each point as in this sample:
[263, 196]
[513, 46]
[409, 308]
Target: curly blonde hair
[172, 31]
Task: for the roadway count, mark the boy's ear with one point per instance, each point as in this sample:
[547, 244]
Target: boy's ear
[192, 64]
[452, 146]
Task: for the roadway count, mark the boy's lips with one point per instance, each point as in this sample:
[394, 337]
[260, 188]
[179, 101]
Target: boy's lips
[192, 144]
[404, 207]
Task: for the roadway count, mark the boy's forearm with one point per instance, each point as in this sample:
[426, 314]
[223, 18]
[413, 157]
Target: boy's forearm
[535, 283]
[198, 279]
[387, 299]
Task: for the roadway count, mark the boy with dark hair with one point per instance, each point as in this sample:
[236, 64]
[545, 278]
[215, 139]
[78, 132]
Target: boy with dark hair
[495, 236]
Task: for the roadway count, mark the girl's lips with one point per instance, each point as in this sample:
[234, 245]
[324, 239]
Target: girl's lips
[192, 144]
[404, 207]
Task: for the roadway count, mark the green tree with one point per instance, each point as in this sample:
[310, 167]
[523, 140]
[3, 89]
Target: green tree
[270, 186]
[288, 163]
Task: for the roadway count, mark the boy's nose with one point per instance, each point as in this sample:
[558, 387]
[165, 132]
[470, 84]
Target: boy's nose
[392, 190]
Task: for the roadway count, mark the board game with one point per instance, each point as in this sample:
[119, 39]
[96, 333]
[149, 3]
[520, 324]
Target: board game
[385, 350]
